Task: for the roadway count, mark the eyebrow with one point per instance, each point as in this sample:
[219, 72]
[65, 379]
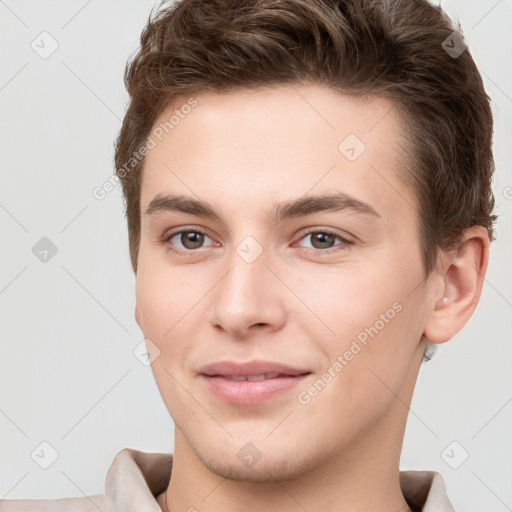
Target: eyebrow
[300, 207]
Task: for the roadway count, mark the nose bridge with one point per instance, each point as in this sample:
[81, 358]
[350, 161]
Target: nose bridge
[247, 295]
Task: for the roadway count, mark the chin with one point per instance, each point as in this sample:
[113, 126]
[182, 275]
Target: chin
[262, 471]
[246, 463]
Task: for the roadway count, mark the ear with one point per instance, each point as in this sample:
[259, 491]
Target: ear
[462, 271]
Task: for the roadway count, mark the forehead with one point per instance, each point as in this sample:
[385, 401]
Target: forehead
[248, 148]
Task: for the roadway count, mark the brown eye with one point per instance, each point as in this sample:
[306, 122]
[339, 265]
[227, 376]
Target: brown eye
[325, 239]
[191, 239]
[321, 240]
[186, 240]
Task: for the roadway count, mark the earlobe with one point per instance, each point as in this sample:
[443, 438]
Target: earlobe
[464, 271]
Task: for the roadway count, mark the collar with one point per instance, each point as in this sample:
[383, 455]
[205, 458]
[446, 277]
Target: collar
[136, 478]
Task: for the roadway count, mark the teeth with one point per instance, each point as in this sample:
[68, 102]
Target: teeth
[252, 377]
[264, 376]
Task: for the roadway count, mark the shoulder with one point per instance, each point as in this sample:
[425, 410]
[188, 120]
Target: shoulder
[425, 490]
[95, 503]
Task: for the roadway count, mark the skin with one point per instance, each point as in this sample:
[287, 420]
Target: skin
[242, 152]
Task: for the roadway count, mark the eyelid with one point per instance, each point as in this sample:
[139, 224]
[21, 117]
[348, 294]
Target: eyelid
[181, 229]
[331, 231]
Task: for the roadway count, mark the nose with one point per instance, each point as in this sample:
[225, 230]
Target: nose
[248, 299]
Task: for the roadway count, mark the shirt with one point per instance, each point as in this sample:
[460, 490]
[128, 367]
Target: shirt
[135, 478]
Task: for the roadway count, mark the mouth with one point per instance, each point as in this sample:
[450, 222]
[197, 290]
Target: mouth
[263, 376]
[251, 389]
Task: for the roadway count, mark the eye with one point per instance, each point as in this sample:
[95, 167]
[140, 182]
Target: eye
[324, 239]
[189, 239]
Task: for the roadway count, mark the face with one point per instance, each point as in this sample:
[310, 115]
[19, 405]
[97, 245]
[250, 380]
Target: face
[332, 287]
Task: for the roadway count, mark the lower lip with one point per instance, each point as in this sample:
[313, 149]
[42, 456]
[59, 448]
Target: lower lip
[246, 392]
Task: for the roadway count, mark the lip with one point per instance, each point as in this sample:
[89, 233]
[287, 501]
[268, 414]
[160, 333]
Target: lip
[214, 376]
[247, 392]
[255, 367]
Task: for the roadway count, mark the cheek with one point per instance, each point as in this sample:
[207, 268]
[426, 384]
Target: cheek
[163, 296]
[164, 302]
[351, 301]
[169, 306]
[377, 327]
[363, 375]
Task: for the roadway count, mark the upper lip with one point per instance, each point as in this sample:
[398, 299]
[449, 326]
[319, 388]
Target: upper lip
[256, 367]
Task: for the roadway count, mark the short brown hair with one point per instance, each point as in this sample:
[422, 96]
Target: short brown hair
[394, 49]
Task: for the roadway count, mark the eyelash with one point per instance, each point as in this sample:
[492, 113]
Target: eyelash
[345, 242]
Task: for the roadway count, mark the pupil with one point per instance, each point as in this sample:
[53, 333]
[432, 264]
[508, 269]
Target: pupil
[324, 239]
[191, 239]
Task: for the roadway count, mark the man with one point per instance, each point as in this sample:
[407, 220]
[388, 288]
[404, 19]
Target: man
[309, 208]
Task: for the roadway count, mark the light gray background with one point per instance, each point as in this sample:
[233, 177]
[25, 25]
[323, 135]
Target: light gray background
[68, 374]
